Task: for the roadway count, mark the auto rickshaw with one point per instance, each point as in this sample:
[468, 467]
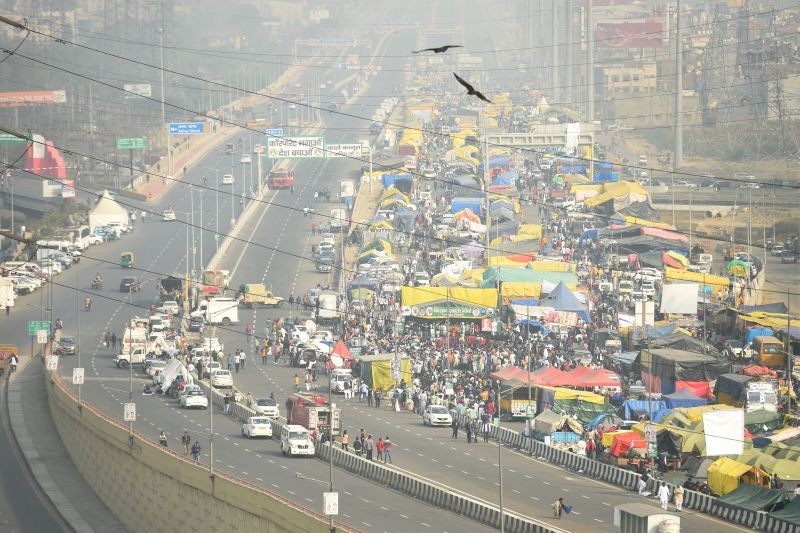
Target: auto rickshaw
[126, 260]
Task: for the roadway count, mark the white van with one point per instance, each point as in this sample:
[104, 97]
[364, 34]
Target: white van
[296, 440]
[339, 377]
[223, 311]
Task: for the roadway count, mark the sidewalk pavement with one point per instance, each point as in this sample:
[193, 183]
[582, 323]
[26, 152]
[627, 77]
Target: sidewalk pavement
[48, 459]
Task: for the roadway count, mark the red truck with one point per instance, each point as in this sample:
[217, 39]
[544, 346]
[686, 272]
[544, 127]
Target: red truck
[280, 178]
[312, 411]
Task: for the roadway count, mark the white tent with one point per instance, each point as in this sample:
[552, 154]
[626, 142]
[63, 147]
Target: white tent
[107, 210]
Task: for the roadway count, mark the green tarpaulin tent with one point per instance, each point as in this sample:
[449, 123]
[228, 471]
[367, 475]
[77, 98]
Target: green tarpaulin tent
[790, 513]
[753, 498]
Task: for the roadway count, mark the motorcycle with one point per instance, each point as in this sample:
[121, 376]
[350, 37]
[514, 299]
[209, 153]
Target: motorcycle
[87, 305]
[97, 285]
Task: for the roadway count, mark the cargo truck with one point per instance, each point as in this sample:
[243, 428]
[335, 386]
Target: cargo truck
[223, 311]
[312, 412]
[170, 288]
[748, 392]
[254, 295]
[280, 178]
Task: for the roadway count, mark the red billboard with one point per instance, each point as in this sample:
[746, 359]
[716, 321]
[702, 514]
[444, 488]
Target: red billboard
[649, 34]
[32, 98]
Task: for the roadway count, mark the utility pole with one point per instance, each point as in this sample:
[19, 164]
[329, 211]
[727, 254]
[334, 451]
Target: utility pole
[554, 67]
[589, 63]
[677, 149]
[568, 92]
[161, 37]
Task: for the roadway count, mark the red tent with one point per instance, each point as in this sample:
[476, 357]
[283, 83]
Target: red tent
[341, 350]
[508, 372]
[600, 377]
[548, 376]
[623, 442]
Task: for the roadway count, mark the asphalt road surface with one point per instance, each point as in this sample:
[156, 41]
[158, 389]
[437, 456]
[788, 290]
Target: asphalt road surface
[23, 507]
[160, 248]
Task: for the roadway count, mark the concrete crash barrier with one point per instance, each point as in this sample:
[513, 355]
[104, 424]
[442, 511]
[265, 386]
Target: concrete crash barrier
[130, 474]
[430, 493]
[773, 525]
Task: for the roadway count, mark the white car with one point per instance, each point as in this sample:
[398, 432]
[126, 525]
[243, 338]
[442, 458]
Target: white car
[299, 333]
[257, 426]
[157, 323]
[322, 335]
[328, 237]
[266, 407]
[222, 379]
[193, 396]
[52, 266]
[168, 215]
[211, 368]
[119, 227]
[23, 285]
[246, 159]
[648, 275]
[437, 415]
[422, 279]
[648, 289]
[169, 307]
[227, 179]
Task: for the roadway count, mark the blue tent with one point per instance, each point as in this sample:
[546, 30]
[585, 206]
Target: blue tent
[635, 408]
[562, 299]
[605, 176]
[659, 415]
[532, 324]
[683, 398]
[758, 332]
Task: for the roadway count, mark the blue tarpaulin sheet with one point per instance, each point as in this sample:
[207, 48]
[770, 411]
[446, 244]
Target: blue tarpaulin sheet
[631, 408]
[600, 177]
[758, 332]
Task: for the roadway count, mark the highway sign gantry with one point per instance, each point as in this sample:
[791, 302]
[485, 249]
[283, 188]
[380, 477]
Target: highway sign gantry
[132, 143]
[188, 128]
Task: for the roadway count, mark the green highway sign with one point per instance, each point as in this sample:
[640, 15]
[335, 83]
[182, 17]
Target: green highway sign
[8, 138]
[35, 326]
[132, 143]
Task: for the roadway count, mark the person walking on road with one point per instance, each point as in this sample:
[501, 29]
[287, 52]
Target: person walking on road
[236, 360]
[242, 358]
[308, 382]
[485, 422]
[345, 439]
[387, 451]
[296, 383]
[113, 341]
[663, 495]
[186, 440]
[558, 507]
[227, 404]
[369, 446]
[377, 398]
[678, 494]
[379, 448]
[162, 439]
[369, 396]
[229, 362]
[455, 426]
[14, 361]
[196, 451]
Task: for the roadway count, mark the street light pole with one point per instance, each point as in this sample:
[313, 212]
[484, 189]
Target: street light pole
[216, 210]
[330, 447]
[500, 461]
[202, 229]
[161, 36]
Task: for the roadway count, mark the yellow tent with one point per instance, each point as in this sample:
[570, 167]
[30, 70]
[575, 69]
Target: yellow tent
[551, 266]
[724, 475]
[786, 469]
[570, 394]
[608, 437]
[392, 191]
[619, 189]
[411, 296]
[718, 284]
[576, 178]
[680, 258]
[505, 261]
[474, 275]
[534, 230]
[511, 290]
[635, 221]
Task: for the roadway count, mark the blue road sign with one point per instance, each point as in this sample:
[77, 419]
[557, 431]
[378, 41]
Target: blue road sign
[188, 128]
[274, 132]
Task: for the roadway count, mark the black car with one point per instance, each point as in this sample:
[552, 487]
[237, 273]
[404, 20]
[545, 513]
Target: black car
[129, 284]
[197, 323]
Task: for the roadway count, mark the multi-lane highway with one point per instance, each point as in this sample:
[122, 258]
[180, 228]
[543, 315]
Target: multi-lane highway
[277, 237]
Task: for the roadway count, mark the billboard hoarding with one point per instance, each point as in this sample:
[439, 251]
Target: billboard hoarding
[32, 98]
[138, 90]
[295, 147]
[68, 189]
[344, 150]
[643, 34]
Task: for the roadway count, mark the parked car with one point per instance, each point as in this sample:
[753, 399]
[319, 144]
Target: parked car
[266, 407]
[119, 227]
[169, 307]
[211, 368]
[222, 379]
[436, 415]
[648, 288]
[227, 179]
[197, 323]
[257, 426]
[168, 215]
[193, 396]
[777, 250]
[650, 275]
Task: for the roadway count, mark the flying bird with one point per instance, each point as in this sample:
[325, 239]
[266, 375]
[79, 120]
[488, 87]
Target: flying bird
[438, 49]
[470, 89]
